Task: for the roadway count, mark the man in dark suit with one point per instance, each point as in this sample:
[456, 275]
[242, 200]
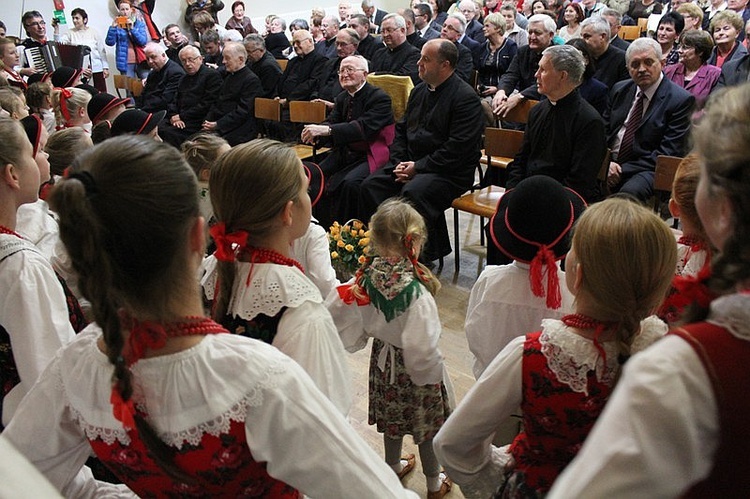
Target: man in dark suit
[328, 84]
[399, 57]
[422, 17]
[161, 85]
[411, 31]
[196, 93]
[735, 72]
[360, 129]
[614, 19]
[523, 67]
[610, 61]
[453, 29]
[327, 46]
[368, 44]
[374, 15]
[262, 63]
[176, 41]
[648, 115]
[436, 150]
[233, 114]
[474, 29]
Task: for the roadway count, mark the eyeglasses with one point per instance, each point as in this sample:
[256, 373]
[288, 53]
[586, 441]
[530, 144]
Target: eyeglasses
[37, 24]
[449, 27]
[346, 71]
[343, 44]
[191, 59]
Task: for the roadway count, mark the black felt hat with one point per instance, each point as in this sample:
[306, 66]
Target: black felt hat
[316, 180]
[136, 122]
[64, 76]
[33, 126]
[539, 211]
[101, 104]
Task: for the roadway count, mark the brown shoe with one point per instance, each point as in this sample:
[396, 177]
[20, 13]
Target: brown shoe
[445, 487]
[411, 460]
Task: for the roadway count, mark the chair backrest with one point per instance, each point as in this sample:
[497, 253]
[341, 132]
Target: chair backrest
[282, 63]
[267, 109]
[666, 167]
[398, 88]
[122, 82]
[136, 86]
[520, 113]
[307, 112]
[499, 142]
[629, 33]
[642, 25]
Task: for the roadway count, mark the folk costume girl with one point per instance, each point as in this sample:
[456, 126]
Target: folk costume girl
[33, 318]
[391, 301]
[170, 401]
[257, 289]
[562, 376]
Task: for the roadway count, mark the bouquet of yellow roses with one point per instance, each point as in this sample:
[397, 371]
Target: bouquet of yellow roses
[348, 244]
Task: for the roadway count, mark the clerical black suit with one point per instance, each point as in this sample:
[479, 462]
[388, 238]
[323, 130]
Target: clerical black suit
[400, 61]
[565, 141]
[195, 96]
[300, 77]
[328, 86]
[161, 87]
[611, 67]
[357, 128]
[269, 72]
[465, 64]
[234, 111]
[441, 132]
[369, 45]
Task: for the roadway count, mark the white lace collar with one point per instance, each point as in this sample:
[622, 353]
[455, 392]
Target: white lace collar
[570, 356]
[271, 288]
[197, 391]
[733, 313]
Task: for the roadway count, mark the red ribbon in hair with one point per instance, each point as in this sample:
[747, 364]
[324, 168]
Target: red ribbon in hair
[544, 262]
[123, 411]
[65, 94]
[346, 293]
[225, 250]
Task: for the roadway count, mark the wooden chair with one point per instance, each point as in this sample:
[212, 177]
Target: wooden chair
[398, 88]
[282, 63]
[267, 109]
[629, 33]
[136, 86]
[642, 25]
[122, 82]
[500, 143]
[666, 167]
[520, 113]
[307, 112]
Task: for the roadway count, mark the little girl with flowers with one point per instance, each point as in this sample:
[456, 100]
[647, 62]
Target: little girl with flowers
[391, 299]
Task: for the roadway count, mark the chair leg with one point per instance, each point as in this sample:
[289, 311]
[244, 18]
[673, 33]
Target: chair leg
[456, 243]
[481, 231]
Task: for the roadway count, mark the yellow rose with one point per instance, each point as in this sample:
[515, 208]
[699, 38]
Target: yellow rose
[340, 243]
[335, 231]
[354, 231]
[334, 255]
[362, 259]
[335, 224]
[367, 234]
[357, 224]
[349, 248]
[361, 233]
[364, 241]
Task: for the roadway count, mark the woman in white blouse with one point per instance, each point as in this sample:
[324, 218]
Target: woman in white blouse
[82, 34]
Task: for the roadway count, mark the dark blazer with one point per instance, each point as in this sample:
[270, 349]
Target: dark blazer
[234, 111]
[369, 46]
[161, 87]
[465, 65]
[378, 19]
[619, 43]
[702, 83]
[416, 40]
[300, 77]
[474, 30]
[276, 43]
[195, 96]
[269, 72]
[326, 48]
[664, 128]
[328, 86]
[735, 72]
[737, 52]
[430, 34]
[520, 74]
[474, 47]
[400, 61]
[611, 67]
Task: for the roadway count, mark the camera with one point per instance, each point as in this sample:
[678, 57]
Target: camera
[482, 88]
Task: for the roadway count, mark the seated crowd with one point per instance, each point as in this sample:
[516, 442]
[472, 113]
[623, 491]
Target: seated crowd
[108, 203]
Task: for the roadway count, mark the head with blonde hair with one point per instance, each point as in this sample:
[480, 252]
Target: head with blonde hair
[620, 265]
[63, 146]
[201, 151]
[251, 188]
[70, 106]
[682, 202]
[397, 229]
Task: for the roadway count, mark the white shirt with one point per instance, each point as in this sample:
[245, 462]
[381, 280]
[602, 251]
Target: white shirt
[306, 331]
[289, 424]
[33, 311]
[37, 223]
[312, 252]
[502, 307]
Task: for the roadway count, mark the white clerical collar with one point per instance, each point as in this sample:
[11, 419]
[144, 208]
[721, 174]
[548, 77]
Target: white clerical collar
[352, 94]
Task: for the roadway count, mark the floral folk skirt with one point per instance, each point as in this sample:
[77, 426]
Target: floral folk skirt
[403, 408]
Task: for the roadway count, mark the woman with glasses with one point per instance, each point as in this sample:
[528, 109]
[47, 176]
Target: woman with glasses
[692, 72]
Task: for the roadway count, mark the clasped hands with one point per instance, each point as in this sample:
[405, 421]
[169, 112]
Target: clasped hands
[502, 104]
[311, 132]
[405, 171]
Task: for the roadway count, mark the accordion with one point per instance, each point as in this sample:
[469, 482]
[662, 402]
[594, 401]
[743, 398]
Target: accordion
[52, 55]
